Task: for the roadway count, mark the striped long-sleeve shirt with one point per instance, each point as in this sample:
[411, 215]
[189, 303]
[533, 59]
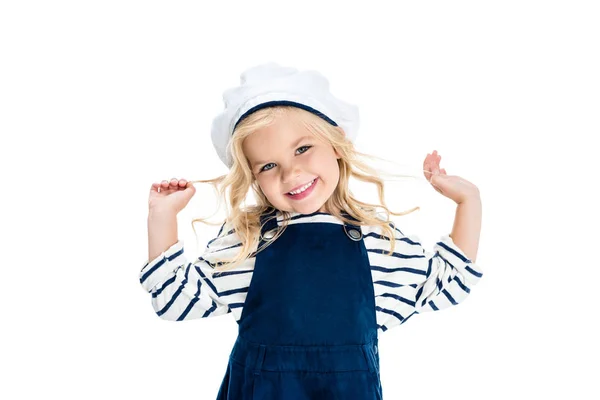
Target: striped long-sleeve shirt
[410, 280]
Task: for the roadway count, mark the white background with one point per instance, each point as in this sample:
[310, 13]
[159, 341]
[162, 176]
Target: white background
[100, 99]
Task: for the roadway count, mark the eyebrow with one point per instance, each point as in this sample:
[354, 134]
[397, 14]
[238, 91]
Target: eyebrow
[254, 164]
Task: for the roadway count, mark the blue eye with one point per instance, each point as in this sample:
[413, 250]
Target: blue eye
[263, 168]
[301, 147]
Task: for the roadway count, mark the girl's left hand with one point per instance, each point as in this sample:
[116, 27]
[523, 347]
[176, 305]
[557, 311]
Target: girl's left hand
[450, 186]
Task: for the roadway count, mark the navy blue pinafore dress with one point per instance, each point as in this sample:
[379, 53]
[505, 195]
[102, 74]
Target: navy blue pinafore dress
[308, 328]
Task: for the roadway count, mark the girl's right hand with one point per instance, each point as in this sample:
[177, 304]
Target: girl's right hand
[170, 196]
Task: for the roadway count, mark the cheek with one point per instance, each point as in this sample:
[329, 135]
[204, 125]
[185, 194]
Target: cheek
[317, 159]
[327, 162]
[265, 185]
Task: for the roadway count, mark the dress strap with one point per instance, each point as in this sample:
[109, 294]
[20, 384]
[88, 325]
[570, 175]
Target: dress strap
[268, 222]
[353, 231]
[269, 225]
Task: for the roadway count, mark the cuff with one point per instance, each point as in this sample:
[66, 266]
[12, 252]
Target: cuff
[156, 270]
[450, 252]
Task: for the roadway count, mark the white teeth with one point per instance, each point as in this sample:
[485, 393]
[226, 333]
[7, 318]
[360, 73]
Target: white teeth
[302, 189]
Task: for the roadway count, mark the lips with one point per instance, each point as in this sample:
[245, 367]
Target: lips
[305, 194]
[301, 186]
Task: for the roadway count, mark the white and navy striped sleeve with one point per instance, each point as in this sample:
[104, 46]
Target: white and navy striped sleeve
[414, 280]
[182, 290]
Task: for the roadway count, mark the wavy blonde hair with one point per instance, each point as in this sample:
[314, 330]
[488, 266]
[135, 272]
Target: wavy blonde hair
[245, 221]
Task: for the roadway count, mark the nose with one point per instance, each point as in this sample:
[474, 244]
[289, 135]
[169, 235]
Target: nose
[290, 173]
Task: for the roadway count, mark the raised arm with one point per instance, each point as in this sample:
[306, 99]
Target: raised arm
[467, 226]
[162, 231]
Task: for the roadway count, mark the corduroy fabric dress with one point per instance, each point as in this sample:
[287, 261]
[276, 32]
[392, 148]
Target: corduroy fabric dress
[308, 328]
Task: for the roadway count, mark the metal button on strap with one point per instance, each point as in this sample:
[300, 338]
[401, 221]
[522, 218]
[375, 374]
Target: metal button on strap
[353, 234]
[270, 234]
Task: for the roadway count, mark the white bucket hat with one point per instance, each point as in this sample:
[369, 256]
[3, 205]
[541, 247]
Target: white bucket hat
[270, 84]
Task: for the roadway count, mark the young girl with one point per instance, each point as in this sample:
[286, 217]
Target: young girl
[311, 274]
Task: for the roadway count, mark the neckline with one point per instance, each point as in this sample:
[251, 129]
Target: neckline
[294, 214]
[316, 216]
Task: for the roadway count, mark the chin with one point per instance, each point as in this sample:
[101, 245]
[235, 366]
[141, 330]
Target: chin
[302, 209]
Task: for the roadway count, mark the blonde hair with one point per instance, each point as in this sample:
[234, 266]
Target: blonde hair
[245, 221]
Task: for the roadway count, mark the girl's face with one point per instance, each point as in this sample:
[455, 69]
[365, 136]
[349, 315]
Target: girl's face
[285, 157]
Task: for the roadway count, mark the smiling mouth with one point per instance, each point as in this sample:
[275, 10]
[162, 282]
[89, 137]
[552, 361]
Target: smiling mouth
[306, 192]
[311, 182]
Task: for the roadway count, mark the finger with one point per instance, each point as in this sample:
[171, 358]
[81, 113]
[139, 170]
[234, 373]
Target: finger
[175, 183]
